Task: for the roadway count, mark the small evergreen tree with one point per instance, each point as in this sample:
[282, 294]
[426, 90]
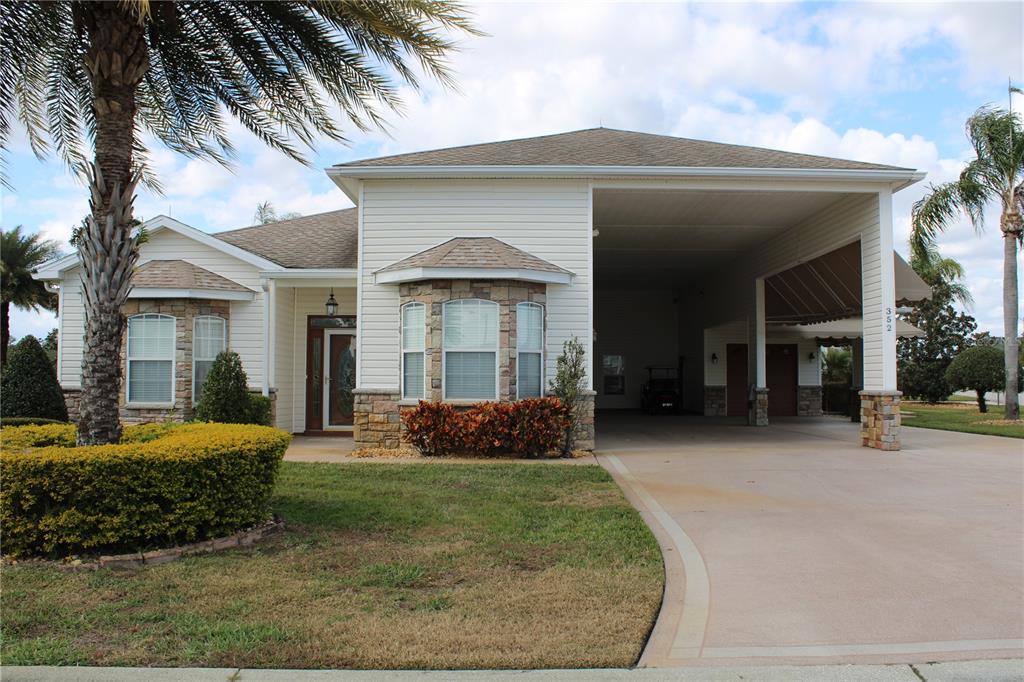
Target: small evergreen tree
[568, 386]
[980, 369]
[29, 386]
[225, 396]
[922, 362]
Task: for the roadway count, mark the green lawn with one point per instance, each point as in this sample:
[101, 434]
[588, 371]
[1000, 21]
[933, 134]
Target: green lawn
[381, 566]
[964, 418]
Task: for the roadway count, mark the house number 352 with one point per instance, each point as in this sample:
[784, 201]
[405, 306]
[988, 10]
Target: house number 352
[888, 319]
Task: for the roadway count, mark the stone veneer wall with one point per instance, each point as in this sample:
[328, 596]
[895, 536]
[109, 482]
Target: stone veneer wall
[715, 404]
[880, 419]
[184, 311]
[376, 419]
[808, 401]
[758, 415]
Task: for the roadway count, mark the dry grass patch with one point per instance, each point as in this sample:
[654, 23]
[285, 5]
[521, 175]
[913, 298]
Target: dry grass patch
[380, 566]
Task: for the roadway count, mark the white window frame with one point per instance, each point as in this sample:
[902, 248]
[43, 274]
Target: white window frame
[195, 321]
[496, 349]
[543, 344]
[402, 352]
[128, 359]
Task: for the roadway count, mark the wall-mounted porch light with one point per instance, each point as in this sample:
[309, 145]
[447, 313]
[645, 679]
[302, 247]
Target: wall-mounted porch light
[714, 358]
[810, 357]
[332, 304]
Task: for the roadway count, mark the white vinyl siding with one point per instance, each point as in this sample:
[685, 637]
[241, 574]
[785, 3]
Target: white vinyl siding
[285, 351]
[150, 359]
[470, 350]
[547, 218]
[529, 350]
[209, 338]
[413, 351]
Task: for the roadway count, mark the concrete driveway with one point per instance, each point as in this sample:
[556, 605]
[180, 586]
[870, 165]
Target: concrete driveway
[792, 543]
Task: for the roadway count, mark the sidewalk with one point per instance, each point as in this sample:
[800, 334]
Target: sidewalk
[1009, 670]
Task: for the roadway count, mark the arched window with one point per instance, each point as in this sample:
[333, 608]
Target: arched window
[529, 350]
[414, 332]
[151, 359]
[470, 349]
[209, 338]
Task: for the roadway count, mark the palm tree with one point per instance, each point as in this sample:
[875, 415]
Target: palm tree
[20, 254]
[995, 174]
[108, 72]
[266, 213]
[945, 276]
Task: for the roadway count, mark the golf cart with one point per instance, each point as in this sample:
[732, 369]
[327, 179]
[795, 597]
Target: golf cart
[660, 393]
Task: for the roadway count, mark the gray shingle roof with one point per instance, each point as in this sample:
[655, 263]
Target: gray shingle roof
[179, 274]
[475, 252]
[610, 147]
[324, 240]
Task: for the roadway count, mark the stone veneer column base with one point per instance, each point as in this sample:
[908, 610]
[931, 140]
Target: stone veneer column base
[714, 402]
[586, 438]
[808, 401]
[377, 421]
[758, 415]
[72, 399]
[880, 419]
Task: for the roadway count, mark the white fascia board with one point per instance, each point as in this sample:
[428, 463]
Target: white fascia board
[54, 269]
[522, 275]
[162, 222]
[209, 294]
[313, 277]
[899, 178]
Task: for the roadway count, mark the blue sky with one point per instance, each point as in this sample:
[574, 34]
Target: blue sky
[890, 83]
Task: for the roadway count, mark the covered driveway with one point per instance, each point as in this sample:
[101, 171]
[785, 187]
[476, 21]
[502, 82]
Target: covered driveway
[792, 543]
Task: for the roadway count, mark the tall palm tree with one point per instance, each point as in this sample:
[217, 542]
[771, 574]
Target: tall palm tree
[20, 254]
[108, 72]
[996, 174]
[945, 276]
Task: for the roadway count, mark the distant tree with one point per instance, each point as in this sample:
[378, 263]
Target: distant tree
[20, 254]
[836, 365]
[50, 345]
[29, 386]
[922, 362]
[266, 213]
[994, 176]
[979, 369]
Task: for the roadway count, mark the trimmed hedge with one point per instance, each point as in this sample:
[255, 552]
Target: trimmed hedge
[19, 438]
[28, 421]
[191, 482]
[531, 428]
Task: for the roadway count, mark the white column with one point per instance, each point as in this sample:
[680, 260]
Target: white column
[761, 380]
[269, 334]
[879, 300]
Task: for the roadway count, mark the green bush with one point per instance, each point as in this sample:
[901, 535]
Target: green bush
[29, 386]
[980, 369]
[196, 482]
[226, 398]
[27, 421]
[19, 438]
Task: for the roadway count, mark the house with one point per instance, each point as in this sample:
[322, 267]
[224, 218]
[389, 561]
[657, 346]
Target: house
[461, 272]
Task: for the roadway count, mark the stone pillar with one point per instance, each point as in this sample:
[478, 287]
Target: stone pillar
[715, 401]
[377, 421]
[585, 436]
[808, 401]
[758, 415]
[880, 419]
[72, 399]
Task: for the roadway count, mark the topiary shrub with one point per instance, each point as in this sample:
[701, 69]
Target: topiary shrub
[226, 398]
[29, 386]
[568, 386]
[980, 369]
[197, 481]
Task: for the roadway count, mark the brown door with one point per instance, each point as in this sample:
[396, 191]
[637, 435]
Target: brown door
[781, 375]
[341, 378]
[315, 380]
[736, 379]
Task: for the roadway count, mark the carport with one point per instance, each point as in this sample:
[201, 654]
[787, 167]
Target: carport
[725, 283]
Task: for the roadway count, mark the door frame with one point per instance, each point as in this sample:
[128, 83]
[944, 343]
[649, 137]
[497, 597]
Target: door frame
[325, 399]
[343, 323]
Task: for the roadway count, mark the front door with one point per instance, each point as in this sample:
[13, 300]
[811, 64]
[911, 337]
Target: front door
[781, 378]
[330, 379]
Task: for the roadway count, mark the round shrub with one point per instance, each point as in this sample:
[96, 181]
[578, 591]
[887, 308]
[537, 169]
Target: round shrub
[195, 482]
[226, 398]
[980, 369]
[29, 386]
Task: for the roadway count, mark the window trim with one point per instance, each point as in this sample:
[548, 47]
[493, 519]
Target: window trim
[496, 350]
[543, 345]
[402, 351]
[128, 359]
[195, 320]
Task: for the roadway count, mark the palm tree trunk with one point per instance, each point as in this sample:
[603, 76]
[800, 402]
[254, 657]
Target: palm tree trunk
[116, 61]
[5, 330]
[1010, 343]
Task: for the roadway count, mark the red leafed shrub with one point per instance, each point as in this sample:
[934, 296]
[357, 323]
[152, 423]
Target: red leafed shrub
[531, 427]
[433, 428]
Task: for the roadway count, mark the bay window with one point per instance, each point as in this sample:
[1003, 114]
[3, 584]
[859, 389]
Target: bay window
[209, 339]
[529, 350]
[413, 351]
[150, 358]
[470, 349]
